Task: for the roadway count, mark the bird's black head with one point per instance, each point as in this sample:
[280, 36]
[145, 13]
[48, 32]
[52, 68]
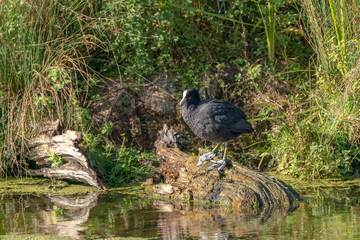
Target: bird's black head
[190, 96]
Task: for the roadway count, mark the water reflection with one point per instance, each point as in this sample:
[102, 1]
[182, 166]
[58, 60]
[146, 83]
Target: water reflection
[51, 215]
[321, 216]
[211, 222]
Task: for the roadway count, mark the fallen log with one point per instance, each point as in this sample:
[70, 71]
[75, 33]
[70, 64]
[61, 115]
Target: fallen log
[74, 164]
[246, 190]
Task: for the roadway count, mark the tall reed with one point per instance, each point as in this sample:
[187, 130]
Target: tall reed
[43, 50]
[269, 26]
[326, 142]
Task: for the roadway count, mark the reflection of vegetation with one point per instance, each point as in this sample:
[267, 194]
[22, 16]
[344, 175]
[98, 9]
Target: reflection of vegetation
[320, 218]
[117, 213]
[57, 211]
[328, 214]
[136, 217]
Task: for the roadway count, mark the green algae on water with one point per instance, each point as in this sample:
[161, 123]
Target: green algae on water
[326, 186]
[14, 236]
[38, 185]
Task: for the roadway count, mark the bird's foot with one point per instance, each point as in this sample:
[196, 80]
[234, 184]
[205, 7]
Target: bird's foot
[220, 165]
[206, 157]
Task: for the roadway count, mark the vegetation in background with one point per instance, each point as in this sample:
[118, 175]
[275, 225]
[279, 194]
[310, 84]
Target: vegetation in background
[43, 72]
[325, 141]
[269, 26]
[118, 165]
[53, 55]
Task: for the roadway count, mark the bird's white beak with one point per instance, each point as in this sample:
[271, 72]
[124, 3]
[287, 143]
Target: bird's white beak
[182, 101]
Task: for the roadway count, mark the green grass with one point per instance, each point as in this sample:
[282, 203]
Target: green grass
[269, 26]
[119, 165]
[325, 143]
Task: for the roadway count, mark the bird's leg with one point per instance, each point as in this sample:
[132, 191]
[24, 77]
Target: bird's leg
[208, 156]
[215, 148]
[226, 161]
[222, 163]
[224, 157]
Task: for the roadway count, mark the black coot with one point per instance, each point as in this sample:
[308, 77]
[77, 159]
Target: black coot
[216, 121]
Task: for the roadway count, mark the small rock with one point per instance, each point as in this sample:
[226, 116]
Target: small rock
[183, 176]
[164, 189]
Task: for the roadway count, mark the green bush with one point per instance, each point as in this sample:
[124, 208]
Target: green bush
[119, 165]
[137, 33]
[300, 148]
[189, 39]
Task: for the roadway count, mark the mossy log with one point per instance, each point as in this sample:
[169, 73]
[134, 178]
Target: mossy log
[246, 190]
[75, 165]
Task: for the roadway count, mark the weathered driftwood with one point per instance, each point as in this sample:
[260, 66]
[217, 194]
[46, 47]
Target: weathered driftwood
[246, 190]
[75, 165]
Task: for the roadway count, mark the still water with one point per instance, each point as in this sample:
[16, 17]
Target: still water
[324, 214]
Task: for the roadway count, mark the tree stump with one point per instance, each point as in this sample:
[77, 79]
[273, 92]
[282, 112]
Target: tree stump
[244, 189]
[75, 165]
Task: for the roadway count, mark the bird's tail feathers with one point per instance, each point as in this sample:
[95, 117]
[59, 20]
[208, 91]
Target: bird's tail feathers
[243, 127]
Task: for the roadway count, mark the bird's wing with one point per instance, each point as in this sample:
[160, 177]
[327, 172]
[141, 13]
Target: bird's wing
[225, 109]
[227, 114]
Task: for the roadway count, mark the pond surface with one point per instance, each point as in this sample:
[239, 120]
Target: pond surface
[325, 213]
